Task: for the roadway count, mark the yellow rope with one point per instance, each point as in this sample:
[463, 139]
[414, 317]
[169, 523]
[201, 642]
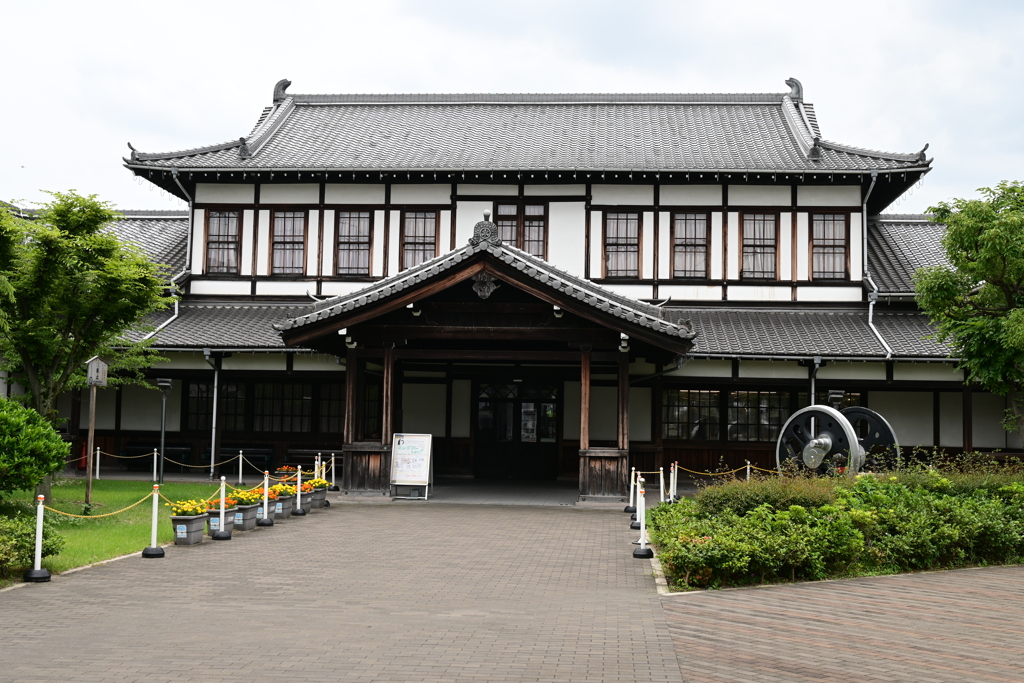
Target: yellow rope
[127, 457]
[712, 474]
[216, 464]
[109, 514]
[755, 467]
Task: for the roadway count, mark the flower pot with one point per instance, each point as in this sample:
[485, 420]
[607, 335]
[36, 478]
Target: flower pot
[283, 509]
[286, 474]
[188, 530]
[214, 522]
[245, 516]
[319, 496]
[271, 504]
[307, 501]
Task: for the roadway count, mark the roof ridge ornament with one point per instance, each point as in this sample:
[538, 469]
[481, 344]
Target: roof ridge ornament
[921, 157]
[796, 89]
[135, 152]
[484, 284]
[485, 231]
[279, 89]
[814, 154]
[243, 149]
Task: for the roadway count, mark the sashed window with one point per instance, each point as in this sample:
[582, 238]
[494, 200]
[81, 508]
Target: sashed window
[760, 244]
[353, 243]
[622, 245]
[828, 246]
[757, 415]
[289, 243]
[282, 407]
[690, 245]
[332, 408]
[419, 237]
[690, 415]
[230, 413]
[222, 242]
[524, 226]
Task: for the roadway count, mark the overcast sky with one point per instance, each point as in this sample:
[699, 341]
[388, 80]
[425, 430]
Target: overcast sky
[84, 78]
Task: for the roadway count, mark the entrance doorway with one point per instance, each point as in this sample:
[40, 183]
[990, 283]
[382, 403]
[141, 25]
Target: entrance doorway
[517, 430]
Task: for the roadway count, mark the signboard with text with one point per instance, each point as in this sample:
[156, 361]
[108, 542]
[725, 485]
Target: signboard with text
[410, 459]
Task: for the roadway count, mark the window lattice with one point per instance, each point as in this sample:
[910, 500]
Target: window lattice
[222, 242]
[690, 247]
[282, 407]
[757, 415]
[759, 245]
[622, 245]
[691, 415]
[828, 246]
[419, 238]
[353, 243]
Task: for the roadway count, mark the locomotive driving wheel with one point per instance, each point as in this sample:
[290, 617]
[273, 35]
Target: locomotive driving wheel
[874, 434]
[820, 439]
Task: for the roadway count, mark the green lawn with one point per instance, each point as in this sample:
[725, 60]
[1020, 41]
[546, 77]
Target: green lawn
[96, 539]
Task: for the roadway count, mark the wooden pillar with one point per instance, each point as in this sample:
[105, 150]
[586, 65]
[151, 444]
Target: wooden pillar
[585, 400]
[623, 405]
[351, 372]
[388, 399]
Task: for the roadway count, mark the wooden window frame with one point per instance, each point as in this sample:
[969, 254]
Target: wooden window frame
[338, 241]
[707, 244]
[845, 213]
[208, 214]
[774, 277]
[520, 218]
[639, 243]
[274, 241]
[402, 234]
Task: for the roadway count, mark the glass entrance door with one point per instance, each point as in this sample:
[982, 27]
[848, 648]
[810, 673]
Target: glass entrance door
[516, 431]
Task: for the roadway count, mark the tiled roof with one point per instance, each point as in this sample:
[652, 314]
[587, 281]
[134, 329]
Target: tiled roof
[226, 326]
[900, 244]
[163, 235]
[770, 132]
[909, 334]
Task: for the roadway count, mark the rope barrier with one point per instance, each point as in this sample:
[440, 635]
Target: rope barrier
[109, 514]
[128, 457]
[216, 464]
[714, 474]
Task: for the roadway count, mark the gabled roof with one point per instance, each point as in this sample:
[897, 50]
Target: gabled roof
[163, 235]
[545, 132]
[899, 244]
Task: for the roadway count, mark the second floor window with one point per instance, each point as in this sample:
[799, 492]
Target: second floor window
[353, 243]
[760, 242]
[690, 245]
[828, 246]
[419, 237]
[289, 243]
[622, 245]
[222, 233]
[524, 226]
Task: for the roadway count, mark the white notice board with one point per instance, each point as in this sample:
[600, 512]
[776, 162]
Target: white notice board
[410, 459]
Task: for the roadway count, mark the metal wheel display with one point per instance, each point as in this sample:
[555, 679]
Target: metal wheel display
[820, 439]
[874, 434]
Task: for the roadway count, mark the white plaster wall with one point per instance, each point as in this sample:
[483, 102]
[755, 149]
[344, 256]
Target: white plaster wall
[444, 232]
[141, 407]
[596, 245]
[340, 288]
[554, 190]
[226, 287]
[733, 252]
[216, 193]
[852, 370]
[290, 193]
[827, 195]
[378, 238]
[303, 362]
[106, 408]
[927, 372]
[635, 291]
[664, 245]
[566, 236]
[198, 241]
[467, 215]
[759, 195]
[421, 194]
[604, 417]
[951, 419]
[461, 408]
[487, 190]
[647, 246]
[356, 193]
[571, 411]
[717, 245]
[183, 360]
[423, 408]
[394, 241]
[704, 368]
[772, 369]
[987, 416]
[255, 361]
[284, 287]
[698, 292]
[785, 247]
[690, 195]
[806, 293]
[802, 246]
[248, 236]
[263, 244]
[759, 293]
[909, 413]
[313, 244]
[638, 195]
[330, 224]
[856, 247]
[639, 414]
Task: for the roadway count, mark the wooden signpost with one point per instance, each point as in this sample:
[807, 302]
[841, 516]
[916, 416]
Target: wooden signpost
[410, 463]
[96, 370]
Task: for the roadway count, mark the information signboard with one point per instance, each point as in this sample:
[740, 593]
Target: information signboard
[410, 460]
[97, 372]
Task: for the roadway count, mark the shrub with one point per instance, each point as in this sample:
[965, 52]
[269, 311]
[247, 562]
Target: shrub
[18, 542]
[30, 449]
[778, 492]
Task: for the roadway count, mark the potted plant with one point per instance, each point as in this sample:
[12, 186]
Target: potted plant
[285, 500]
[319, 492]
[213, 510]
[272, 499]
[248, 504]
[187, 519]
[286, 473]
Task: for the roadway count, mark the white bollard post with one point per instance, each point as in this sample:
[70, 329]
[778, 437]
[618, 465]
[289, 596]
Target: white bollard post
[316, 467]
[37, 574]
[154, 550]
[298, 510]
[748, 470]
[222, 534]
[240, 461]
[675, 481]
[268, 517]
[661, 472]
[632, 483]
[154, 464]
[97, 475]
[334, 486]
[643, 552]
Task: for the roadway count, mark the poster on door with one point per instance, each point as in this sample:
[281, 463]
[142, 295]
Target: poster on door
[410, 459]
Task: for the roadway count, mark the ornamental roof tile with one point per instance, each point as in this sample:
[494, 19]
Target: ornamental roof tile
[900, 244]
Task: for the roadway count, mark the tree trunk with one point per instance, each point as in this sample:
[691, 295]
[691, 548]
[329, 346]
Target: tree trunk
[1017, 406]
[45, 408]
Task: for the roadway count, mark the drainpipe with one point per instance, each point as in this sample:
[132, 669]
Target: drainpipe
[815, 366]
[873, 294]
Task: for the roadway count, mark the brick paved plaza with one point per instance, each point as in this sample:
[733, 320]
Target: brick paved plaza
[436, 592]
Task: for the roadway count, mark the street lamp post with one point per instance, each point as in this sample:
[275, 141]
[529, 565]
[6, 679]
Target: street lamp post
[165, 389]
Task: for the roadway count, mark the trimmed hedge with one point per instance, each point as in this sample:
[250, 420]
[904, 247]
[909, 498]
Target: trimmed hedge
[767, 530]
[18, 542]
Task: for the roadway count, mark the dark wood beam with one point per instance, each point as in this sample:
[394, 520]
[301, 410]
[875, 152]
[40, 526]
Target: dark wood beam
[623, 403]
[387, 419]
[366, 334]
[584, 400]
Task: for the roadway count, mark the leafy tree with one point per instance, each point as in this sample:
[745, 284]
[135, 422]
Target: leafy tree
[69, 290]
[978, 301]
[30, 449]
